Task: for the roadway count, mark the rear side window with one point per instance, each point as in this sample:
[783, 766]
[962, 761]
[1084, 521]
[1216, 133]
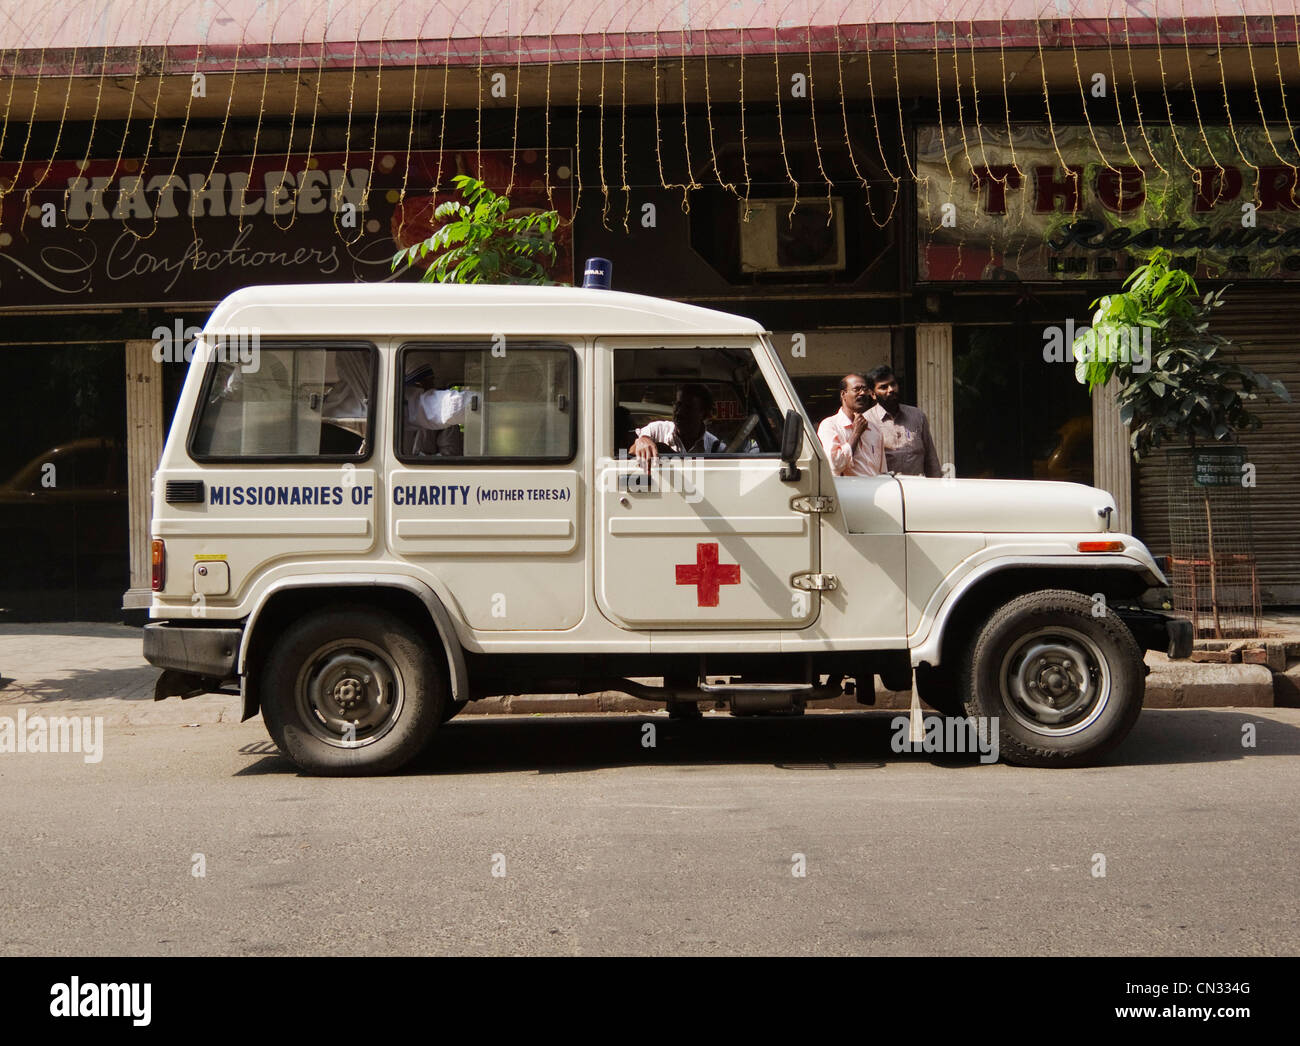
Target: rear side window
[486, 401]
[302, 402]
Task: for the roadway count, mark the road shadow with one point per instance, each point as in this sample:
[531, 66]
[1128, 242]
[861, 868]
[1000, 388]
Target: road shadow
[555, 744]
[131, 684]
[76, 629]
[1165, 736]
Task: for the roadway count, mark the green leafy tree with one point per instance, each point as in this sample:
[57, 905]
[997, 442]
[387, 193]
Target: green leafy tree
[480, 242]
[1175, 381]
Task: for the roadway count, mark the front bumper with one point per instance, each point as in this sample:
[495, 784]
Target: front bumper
[202, 650]
[1155, 631]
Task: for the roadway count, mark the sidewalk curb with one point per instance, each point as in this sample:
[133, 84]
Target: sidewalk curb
[1171, 684]
[98, 671]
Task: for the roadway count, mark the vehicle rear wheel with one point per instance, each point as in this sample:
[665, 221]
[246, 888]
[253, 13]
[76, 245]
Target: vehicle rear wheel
[350, 691]
[1066, 686]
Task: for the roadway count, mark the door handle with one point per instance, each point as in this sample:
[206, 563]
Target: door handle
[637, 482]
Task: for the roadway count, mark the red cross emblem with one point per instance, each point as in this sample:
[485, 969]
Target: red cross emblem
[707, 574]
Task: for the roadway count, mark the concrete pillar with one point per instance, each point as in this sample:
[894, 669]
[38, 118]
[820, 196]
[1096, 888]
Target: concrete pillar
[934, 385]
[145, 433]
[1112, 460]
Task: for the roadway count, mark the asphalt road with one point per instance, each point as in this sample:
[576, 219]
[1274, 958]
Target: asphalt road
[608, 847]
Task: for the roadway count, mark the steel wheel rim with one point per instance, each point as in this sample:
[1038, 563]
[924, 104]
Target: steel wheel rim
[349, 694]
[1055, 681]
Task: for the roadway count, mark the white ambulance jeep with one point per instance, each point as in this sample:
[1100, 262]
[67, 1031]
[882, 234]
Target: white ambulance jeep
[414, 496]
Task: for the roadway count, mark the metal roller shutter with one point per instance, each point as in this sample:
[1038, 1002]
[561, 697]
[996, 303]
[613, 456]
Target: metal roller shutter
[1264, 325]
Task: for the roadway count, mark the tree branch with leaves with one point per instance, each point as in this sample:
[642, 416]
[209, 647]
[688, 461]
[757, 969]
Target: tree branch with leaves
[481, 242]
[1176, 382]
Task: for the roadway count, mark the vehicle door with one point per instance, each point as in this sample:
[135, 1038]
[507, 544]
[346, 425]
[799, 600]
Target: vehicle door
[283, 452]
[486, 492]
[704, 540]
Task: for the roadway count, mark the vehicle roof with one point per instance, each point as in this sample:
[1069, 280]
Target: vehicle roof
[430, 309]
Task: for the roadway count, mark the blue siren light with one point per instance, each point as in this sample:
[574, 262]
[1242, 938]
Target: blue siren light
[597, 273]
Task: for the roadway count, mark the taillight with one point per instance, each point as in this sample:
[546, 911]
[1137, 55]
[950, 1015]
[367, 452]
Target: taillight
[1101, 546]
[158, 564]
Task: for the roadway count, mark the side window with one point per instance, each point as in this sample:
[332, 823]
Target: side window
[694, 401]
[302, 402]
[487, 401]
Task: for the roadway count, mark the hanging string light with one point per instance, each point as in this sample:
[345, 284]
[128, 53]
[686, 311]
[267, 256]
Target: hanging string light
[691, 183]
[519, 87]
[31, 123]
[1114, 94]
[1201, 148]
[848, 136]
[938, 100]
[1196, 105]
[708, 116]
[1083, 99]
[58, 136]
[780, 119]
[1169, 113]
[880, 145]
[1152, 151]
[622, 146]
[410, 128]
[744, 151]
[817, 148]
[216, 153]
[1281, 87]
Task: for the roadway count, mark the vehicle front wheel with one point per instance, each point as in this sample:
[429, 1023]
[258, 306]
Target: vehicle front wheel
[351, 691]
[1065, 685]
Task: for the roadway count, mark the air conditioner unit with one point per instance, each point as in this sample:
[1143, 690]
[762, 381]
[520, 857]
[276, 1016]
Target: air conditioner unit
[774, 241]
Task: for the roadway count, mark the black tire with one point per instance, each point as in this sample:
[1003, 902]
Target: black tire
[359, 661]
[1066, 686]
[940, 688]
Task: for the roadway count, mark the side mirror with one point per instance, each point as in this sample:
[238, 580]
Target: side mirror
[791, 441]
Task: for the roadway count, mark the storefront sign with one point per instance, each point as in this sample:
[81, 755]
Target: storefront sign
[1218, 466]
[113, 233]
[1081, 203]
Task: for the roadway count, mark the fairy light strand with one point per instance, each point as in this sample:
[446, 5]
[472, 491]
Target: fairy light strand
[880, 145]
[31, 122]
[817, 149]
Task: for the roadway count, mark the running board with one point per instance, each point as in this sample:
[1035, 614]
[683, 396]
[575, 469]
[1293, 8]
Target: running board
[757, 688]
[766, 694]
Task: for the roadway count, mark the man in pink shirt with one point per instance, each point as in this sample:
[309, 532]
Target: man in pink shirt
[852, 441]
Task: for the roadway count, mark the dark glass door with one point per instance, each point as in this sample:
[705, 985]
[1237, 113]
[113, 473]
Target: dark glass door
[1017, 415]
[64, 551]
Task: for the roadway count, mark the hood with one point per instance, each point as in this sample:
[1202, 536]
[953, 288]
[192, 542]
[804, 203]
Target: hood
[1004, 506]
